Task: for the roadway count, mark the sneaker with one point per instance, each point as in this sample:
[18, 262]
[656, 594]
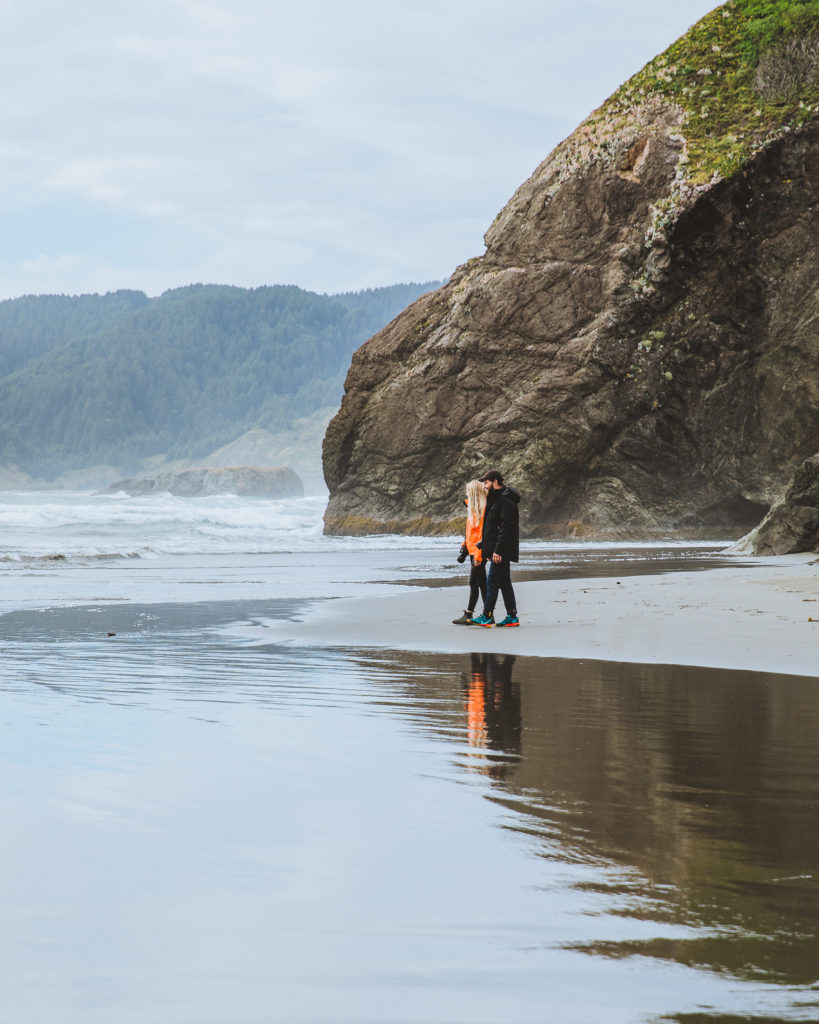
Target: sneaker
[465, 620]
[510, 620]
[484, 620]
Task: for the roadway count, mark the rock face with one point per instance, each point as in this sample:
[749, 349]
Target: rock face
[792, 525]
[250, 481]
[637, 350]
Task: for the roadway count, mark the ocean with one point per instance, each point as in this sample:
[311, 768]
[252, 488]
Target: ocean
[197, 828]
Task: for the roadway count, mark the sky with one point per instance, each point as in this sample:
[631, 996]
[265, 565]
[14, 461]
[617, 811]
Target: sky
[151, 144]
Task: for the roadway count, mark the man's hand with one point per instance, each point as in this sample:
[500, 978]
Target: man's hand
[497, 559]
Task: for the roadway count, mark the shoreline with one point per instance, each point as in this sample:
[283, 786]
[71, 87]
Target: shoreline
[755, 617]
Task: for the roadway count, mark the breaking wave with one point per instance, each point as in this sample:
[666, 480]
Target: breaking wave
[49, 528]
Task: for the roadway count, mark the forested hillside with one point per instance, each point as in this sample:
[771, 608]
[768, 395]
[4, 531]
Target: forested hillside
[36, 324]
[114, 379]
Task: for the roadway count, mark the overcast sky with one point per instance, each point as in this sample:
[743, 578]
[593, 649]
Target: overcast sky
[335, 145]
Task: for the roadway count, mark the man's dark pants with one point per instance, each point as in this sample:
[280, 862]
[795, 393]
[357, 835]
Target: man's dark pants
[499, 579]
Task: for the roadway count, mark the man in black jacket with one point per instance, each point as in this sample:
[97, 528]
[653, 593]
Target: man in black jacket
[500, 543]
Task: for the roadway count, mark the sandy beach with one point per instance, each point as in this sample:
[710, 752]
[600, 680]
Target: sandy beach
[761, 617]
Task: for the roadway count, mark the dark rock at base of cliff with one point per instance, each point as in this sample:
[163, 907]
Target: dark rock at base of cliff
[248, 481]
[792, 525]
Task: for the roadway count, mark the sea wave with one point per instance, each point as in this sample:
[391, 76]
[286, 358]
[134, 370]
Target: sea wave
[75, 526]
[56, 557]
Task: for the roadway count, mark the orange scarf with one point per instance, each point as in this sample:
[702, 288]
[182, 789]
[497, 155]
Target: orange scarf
[473, 537]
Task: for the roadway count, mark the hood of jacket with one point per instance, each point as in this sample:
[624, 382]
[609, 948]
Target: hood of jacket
[505, 492]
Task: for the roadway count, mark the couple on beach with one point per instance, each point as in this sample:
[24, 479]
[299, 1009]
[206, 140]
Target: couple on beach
[492, 539]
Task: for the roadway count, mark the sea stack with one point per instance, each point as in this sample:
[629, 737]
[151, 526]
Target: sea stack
[638, 348]
[247, 481]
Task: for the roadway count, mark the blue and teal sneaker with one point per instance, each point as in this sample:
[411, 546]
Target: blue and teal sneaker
[510, 620]
[484, 620]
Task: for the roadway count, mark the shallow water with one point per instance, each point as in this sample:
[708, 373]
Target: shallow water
[200, 830]
[563, 562]
[78, 548]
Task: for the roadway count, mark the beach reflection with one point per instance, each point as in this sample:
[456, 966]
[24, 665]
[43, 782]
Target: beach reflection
[702, 784]
[493, 716]
[334, 834]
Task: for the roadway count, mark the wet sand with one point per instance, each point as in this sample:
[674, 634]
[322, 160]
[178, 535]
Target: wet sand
[763, 617]
[202, 830]
[252, 799]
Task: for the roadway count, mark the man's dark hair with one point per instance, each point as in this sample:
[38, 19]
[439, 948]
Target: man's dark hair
[493, 474]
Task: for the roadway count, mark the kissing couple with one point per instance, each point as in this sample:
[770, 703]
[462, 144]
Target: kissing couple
[493, 540]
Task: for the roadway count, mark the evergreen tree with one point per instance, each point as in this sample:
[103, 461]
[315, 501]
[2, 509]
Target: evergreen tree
[113, 379]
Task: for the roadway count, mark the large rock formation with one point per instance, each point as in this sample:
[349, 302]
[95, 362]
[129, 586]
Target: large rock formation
[638, 349]
[792, 525]
[250, 481]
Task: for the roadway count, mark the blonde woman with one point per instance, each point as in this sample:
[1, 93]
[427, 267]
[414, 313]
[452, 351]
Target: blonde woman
[475, 508]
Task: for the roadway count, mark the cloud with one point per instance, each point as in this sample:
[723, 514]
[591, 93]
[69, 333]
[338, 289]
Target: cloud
[343, 143]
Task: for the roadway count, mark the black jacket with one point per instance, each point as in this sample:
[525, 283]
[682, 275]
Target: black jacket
[501, 531]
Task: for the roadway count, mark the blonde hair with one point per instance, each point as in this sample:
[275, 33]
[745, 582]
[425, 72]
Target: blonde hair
[475, 501]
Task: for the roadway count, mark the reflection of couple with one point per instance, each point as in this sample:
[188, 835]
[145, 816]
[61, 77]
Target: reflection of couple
[493, 539]
[493, 713]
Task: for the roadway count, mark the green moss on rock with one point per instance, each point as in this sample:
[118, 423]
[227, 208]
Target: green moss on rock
[740, 75]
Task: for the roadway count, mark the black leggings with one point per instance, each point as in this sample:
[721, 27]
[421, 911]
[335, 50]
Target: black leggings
[477, 583]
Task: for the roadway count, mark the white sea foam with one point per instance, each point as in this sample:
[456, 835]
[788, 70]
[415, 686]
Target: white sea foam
[64, 549]
[76, 526]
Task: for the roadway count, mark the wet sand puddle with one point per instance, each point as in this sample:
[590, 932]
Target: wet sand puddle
[196, 829]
